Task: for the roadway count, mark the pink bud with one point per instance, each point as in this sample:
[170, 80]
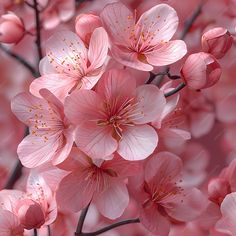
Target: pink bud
[218, 189]
[85, 24]
[11, 28]
[201, 70]
[30, 214]
[217, 42]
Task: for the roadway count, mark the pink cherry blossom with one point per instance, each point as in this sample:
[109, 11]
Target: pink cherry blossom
[116, 117]
[217, 42]
[99, 181]
[69, 65]
[160, 195]
[56, 11]
[51, 135]
[85, 24]
[31, 209]
[145, 42]
[201, 70]
[11, 28]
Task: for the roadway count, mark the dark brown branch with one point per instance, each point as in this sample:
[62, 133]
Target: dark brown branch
[176, 90]
[109, 227]
[38, 31]
[20, 60]
[81, 220]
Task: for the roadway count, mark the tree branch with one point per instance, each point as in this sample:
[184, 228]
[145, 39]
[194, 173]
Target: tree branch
[81, 220]
[20, 60]
[112, 226]
[174, 91]
[38, 31]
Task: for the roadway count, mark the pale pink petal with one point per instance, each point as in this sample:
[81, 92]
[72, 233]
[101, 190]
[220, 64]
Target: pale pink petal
[9, 224]
[113, 200]
[83, 106]
[153, 221]
[164, 165]
[36, 150]
[92, 77]
[75, 191]
[123, 167]
[137, 142]
[201, 123]
[161, 21]
[45, 67]
[151, 102]
[65, 51]
[118, 20]
[96, 141]
[59, 84]
[228, 210]
[187, 206]
[167, 53]
[114, 84]
[129, 58]
[98, 48]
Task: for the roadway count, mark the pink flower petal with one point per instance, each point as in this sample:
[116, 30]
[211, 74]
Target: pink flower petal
[75, 191]
[65, 51]
[59, 84]
[151, 102]
[9, 224]
[228, 210]
[33, 151]
[153, 221]
[118, 20]
[98, 48]
[161, 20]
[164, 165]
[192, 205]
[129, 58]
[138, 142]
[167, 53]
[83, 106]
[96, 141]
[113, 200]
[114, 85]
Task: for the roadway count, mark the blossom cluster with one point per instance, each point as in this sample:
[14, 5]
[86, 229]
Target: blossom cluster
[123, 112]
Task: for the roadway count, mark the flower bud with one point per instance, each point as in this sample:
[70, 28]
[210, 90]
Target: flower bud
[201, 70]
[30, 214]
[85, 24]
[11, 28]
[217, 42]
[218, 189]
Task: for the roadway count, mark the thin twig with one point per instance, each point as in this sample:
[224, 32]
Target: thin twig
[35, 232]
[175, 90]
[112, 226]
[49, 230]
[81, 220]
[38, 30]
[20, 60]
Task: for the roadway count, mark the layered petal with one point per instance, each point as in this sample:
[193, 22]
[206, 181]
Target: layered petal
[151, 102]
[154, 221]
[113, 200]
[96, 141]
[83, 106]
[138, 142]
[119, 21]
[166, 53]
[75, 191]
[98, 48]
[59, 84]
[161, 21]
